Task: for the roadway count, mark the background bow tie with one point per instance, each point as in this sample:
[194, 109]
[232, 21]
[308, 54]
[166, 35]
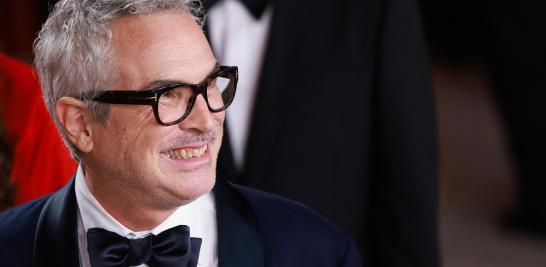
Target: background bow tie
[256, 7]
[171, 248]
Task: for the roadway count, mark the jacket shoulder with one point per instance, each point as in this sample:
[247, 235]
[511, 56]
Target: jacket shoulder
[292, 231]
[17, 231]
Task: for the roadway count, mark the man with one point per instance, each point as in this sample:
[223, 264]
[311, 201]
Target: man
[339, 113]
[139, 99]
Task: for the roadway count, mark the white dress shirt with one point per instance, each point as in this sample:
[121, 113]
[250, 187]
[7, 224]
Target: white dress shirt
[199, 215]
[239, 39]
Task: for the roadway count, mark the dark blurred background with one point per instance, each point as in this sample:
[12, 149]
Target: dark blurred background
[488, 62]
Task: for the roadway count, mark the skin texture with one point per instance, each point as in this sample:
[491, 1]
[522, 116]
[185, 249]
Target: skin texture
[124, 161]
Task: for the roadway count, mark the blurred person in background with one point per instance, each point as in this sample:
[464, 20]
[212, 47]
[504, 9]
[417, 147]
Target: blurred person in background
[308, 65]
[34, 160]
[508, 39]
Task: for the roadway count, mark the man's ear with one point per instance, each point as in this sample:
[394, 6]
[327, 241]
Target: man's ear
[73, 115]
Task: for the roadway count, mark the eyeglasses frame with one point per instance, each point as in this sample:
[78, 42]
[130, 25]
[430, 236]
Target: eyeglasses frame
[151, 97]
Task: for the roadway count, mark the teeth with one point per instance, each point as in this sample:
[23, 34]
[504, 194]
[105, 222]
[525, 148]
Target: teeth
[187, 153]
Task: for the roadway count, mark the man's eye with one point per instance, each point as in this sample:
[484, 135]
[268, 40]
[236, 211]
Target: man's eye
[168, 94]
[212, 83]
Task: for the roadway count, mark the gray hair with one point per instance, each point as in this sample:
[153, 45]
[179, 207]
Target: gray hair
[72, 51]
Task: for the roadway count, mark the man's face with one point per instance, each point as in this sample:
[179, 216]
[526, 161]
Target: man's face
[131, 151]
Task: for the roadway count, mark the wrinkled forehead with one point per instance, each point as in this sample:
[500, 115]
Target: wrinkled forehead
[166, 45]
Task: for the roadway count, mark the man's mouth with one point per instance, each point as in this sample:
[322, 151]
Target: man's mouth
[187, 153]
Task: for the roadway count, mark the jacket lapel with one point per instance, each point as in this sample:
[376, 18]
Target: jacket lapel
[238, 237]
[56, 241]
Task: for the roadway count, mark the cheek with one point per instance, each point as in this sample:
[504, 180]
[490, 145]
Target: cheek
[217, 143]
[141, 142]
[104, 143]
[219, 118]
[135, 133]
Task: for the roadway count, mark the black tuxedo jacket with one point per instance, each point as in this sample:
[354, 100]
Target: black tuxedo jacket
[254, 229]
[344, 123]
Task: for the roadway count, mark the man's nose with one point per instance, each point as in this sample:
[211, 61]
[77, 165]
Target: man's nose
[200, 118]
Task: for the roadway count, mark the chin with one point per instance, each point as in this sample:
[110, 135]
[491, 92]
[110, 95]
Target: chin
[194, 188]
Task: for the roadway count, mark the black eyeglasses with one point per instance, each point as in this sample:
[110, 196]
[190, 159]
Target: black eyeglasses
[173, 103]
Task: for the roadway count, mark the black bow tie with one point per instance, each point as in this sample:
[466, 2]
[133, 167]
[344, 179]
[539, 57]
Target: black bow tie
[256, 7]
[171, 248]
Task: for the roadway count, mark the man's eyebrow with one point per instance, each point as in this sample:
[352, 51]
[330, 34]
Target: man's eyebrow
[158, 83]
[161, 83]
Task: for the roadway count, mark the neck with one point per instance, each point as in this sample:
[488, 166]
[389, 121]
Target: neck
[125, 205]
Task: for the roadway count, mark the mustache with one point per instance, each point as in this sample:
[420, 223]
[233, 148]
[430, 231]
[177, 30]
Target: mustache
[191, 137]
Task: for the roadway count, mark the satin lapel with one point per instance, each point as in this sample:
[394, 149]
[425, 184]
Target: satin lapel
[238, 237]
[56, 241]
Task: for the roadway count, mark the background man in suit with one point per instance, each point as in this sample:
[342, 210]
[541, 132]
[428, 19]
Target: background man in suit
[373, 172]
[139, 98]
